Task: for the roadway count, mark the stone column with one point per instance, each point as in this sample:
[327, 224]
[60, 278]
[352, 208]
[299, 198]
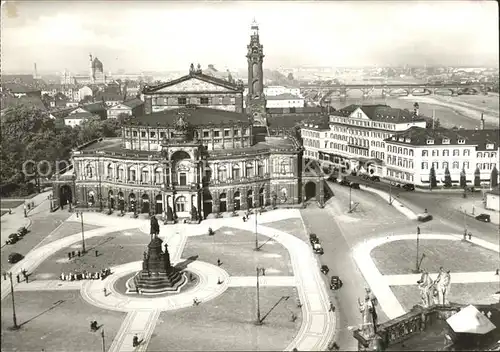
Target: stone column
[230, 200]
[243, 198]
[215, 202]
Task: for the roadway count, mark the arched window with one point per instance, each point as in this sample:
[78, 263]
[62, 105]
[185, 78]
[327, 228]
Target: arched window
[89, 171]
[456, 165]
[410, 152]
[284, 167]
[180, 204]
[158, 173]
[121, 173]
[400, 150]
[249, 170]
[446, 152]
[132, 174]
[236, 172]
[425, 153]
[435, 152]
[479, 155]
[145, 175]
[222, 173]
[466, 152]
[445, 164]
[109, 171]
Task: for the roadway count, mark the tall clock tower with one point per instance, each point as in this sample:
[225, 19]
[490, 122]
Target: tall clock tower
[256, 100]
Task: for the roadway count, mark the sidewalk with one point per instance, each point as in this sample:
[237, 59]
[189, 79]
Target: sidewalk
[474, 207]
[11, 222]
[410, 214]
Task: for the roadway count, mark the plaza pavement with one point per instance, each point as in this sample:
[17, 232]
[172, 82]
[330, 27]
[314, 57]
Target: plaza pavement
[11, 222]
[380, 284]
[318, 325]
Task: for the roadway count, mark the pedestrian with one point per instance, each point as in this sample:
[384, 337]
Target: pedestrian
[149, 273]
[78, 253]
[219, 281]
[497, 272]
[470, 236]
[5, 275]
[263, 271]
[137, 289]
[105, 291]
[96, 253]
[10, 211]
[26, 277]
[293, 317]
[25, 212]
[465, 235]
[332, 307]
[244, 218]
[18, 279]
[299, 305]
[191, 277]
[218, 262]
[135, 341]
[69, 255]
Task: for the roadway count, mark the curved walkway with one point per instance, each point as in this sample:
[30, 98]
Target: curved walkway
[379, 283]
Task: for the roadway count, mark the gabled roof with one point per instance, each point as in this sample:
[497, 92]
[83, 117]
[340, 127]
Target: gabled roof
[94, 107]
[62, 112]
[202, 77]
[420, 136]
[380, 112]
[194, 115]
[133, 103]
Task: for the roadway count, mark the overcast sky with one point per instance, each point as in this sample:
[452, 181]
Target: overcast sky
[168, 35]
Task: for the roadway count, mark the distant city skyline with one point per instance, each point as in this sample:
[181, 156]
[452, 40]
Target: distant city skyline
[168, 36]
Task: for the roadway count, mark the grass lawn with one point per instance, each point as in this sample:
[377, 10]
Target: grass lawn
[398, 257]
[6, 203]
[227, 323]
[67, 229]
[477, 293]
[56, 321]
[292, 226]
[235, 249]
[114, 249]
[42, 225]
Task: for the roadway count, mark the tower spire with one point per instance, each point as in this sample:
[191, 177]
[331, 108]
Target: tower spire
[256, 101]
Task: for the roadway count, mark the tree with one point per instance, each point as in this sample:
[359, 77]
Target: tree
[463, 179]
[432, 178]
[447, 178]
[86, 99]
[477, 178]
[494, 177]
[290, 77]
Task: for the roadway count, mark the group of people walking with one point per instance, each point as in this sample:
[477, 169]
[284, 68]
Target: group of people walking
[85, 275]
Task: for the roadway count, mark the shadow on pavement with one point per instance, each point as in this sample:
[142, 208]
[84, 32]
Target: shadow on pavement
[56, 304]
[183, 265]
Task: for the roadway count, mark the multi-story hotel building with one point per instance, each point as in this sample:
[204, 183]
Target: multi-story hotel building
[194, 152]
[355, 136]
[412, 154]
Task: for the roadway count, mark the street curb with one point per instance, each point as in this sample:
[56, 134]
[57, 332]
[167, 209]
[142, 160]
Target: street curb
[394, 202]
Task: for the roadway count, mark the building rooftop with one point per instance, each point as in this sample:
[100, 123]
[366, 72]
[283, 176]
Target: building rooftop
[194, 115]
[18, 88]
[80, 116]
[380, 112]
[94, 107]
[200, 76]
[133, 103]
[444, 136]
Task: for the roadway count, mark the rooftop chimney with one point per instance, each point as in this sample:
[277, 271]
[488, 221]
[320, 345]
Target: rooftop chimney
[481, 124]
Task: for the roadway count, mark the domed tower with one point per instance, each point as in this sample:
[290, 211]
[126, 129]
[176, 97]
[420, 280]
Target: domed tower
[256, 101]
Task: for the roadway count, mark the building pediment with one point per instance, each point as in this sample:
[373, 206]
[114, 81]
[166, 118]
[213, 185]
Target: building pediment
[193, 84]
[359, 114]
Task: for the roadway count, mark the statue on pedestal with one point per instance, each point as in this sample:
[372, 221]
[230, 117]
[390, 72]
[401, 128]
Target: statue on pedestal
[366, 309]
[170, 214]
[443, 283]
[194, 213]
[426, 286]
[154, 228]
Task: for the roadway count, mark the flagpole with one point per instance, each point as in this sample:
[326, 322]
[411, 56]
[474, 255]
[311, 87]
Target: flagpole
[433, 119]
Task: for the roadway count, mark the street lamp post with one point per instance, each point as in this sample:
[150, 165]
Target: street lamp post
[256, 238]
[258, 321]
[83, 233]
[350, 202]
[14, 318]
[103, 342]
[417, 269]
[390, 192]
[100, 194]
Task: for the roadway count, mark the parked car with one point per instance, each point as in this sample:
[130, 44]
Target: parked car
[335, 283]
[484, 217]
[325, 269]
[424, 217]
[13, 238]
[317, 248]
[313, 238]
[15, 257]
[365, 177]
[409, 187]
[355, 185]
[375, 178]
[345, 182]
[22, 231]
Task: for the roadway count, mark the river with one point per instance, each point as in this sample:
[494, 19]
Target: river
[460, 111]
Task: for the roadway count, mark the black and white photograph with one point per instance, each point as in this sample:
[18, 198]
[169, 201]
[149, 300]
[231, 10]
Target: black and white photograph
[249, 175]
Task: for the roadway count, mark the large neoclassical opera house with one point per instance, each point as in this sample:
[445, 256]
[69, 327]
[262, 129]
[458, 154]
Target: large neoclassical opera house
[194, 150]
